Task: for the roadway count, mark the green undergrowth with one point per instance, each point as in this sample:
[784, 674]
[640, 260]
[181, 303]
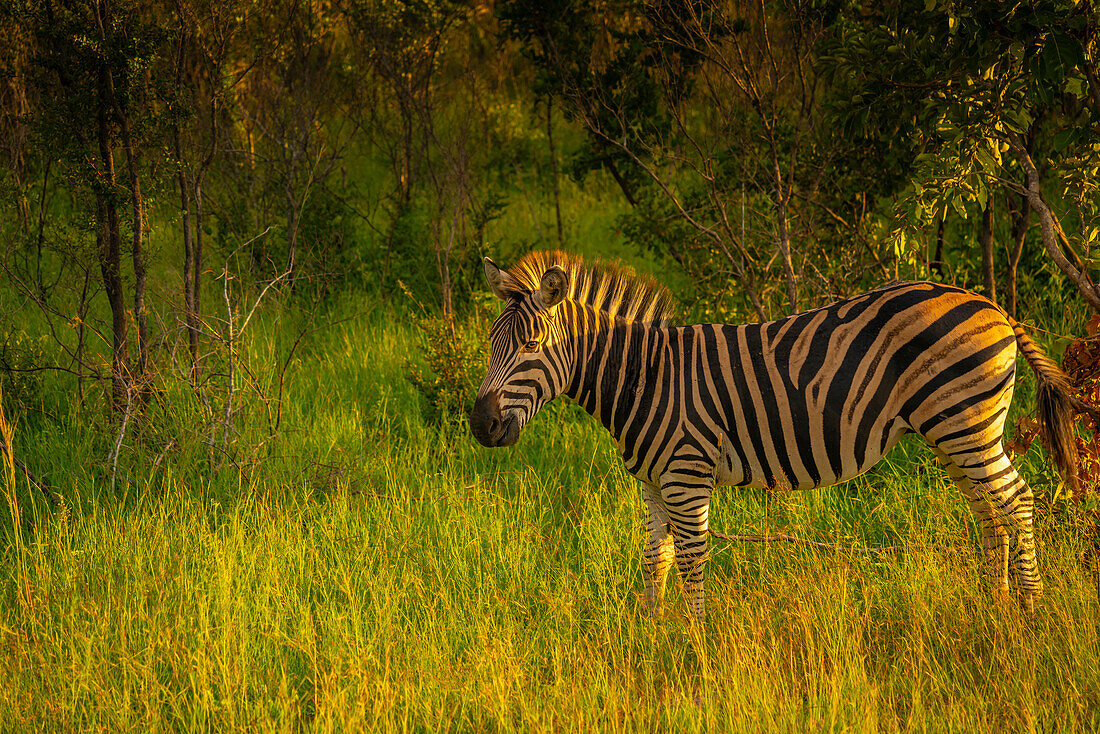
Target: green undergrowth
[365, 569]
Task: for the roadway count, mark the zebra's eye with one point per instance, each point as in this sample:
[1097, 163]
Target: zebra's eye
[531, 346]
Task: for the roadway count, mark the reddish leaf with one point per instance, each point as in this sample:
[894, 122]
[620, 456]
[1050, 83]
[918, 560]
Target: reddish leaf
[1092, 326]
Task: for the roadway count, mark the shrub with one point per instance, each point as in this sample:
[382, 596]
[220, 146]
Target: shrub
[454, 362]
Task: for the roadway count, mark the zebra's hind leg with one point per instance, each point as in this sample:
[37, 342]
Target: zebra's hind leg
[1003, 504]
[659, 548]
[994, 534]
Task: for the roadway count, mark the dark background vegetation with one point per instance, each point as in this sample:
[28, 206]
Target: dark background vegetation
[175, 173]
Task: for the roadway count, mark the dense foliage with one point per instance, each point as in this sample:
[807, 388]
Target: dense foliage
[776, 155]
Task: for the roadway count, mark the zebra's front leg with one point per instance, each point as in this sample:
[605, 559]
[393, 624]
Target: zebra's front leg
[659, 551]
[687, 504]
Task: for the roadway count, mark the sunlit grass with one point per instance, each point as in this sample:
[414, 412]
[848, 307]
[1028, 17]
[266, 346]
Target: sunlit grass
[364, 571]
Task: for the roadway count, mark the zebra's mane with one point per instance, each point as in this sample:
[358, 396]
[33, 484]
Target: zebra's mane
[614, 289]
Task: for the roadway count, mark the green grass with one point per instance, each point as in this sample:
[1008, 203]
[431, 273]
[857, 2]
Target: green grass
[361, 570]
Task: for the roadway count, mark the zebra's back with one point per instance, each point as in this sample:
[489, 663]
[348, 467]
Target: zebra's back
[821, 396]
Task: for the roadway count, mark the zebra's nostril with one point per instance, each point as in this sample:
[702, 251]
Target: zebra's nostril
[486, 422]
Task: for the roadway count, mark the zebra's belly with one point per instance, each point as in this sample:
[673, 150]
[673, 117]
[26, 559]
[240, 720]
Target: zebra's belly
[791, 471]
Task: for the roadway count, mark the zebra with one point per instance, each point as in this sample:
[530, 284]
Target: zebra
[803, 401]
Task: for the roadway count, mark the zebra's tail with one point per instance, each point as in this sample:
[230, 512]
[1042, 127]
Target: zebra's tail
[1058, 407]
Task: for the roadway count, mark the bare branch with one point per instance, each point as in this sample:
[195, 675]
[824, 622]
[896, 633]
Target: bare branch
[784, 537]
[113, 457]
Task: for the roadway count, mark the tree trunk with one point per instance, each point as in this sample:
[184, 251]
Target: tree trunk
[785, 252]
[405, 165]
[110, 253]
[1051, 228]
[937, 259]
[989, 283]
[196, 261]
[39, 284]
[82, 314]
[554, 166]
[780, 198]
[137, 204]
[628, 193]
[443, 263]
[292, 216]
[188, 256]
[1093, 81]
[196, 264]
[1020, 221]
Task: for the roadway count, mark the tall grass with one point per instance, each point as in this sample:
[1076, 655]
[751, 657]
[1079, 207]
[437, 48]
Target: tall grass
[366, 571]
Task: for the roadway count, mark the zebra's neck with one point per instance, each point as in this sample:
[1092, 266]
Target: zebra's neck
[613, 359]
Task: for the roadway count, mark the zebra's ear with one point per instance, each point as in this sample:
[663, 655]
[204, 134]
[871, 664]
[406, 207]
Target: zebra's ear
[553, 287]
[496, 279]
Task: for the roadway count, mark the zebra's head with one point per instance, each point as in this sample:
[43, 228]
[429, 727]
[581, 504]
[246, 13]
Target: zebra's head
[526, 366]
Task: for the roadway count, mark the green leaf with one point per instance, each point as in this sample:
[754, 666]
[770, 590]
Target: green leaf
[983, 156]
[959, 205]
[1017, 120]
[1064, 138]
[1060, 57]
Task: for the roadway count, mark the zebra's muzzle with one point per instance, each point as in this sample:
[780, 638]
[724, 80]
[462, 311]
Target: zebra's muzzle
[490, 427]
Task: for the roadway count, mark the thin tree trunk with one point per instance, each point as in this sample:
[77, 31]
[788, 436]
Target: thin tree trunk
[937, 259]
[188, 256]
[82, 312]
[1093, 80]
[196, 262]
[38, 282]
[138, 209]
[404, 174]
[109, 241]
[196, 265]
[785, 252]
[1020, 221]
[989, 283]
[292, 216]
[1051, 229]
[628, 193]
[780, 198]
[190, 264]
[554, 166]
[110, 253]
[253, 206]
[443, 262]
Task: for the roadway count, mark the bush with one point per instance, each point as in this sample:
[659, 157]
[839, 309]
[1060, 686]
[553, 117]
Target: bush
[454, 365]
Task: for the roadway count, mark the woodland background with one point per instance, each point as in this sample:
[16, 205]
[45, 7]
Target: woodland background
[242, 309]
[764, 158]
